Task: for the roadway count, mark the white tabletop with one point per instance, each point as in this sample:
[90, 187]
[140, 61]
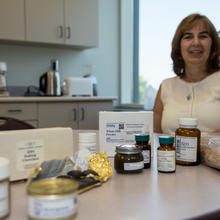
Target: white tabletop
[189, 192]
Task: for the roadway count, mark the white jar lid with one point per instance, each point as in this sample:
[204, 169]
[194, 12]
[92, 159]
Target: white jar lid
[4, 168]
[87, 137]
[191, 122]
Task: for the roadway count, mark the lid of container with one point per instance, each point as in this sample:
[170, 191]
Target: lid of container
[52, 186]
[3, 66]
[127, 149]
[166, 139]
[188, 122]
[87, 137]
[142, 137]
[4, 168]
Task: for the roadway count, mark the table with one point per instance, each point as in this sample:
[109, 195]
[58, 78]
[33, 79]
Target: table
[191, 191]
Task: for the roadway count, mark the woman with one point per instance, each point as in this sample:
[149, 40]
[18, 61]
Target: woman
[195, 91]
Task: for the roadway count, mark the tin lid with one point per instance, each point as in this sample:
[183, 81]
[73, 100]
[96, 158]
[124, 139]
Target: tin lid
[142, 137]
[166, 140]
[127, 149]
[4, 168]
[52, 186]
[188, 122]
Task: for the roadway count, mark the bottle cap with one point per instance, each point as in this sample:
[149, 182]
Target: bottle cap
[188, 122]
[127, 149]
[87, 137]
[166, 139]
[4, 168]
[142, 137]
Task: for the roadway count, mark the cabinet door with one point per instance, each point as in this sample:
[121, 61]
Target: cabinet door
[12, 20]
[44, 21]
[81, 22]
[89, 113]
[57, 114]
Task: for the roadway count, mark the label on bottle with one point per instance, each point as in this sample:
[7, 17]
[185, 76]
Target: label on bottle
[146, 155]
[166, 161]
[186, 149]
[134, 166]
[51, 207]
[4, 198]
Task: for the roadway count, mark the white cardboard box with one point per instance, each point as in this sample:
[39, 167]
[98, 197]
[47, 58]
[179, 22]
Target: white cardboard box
[120, 128]
[26, 149]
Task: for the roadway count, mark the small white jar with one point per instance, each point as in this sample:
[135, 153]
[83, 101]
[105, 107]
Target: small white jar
[88, 141]
[4, 188]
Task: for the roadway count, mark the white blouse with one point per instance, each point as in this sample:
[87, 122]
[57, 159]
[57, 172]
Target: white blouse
[199, 100]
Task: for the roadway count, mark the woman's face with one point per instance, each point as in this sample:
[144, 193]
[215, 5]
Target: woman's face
[196, 46]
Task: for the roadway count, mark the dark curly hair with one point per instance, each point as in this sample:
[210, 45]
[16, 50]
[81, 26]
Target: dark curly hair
[186, 24]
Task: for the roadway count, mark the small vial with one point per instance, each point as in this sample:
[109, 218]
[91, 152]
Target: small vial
[4, 188]
[166, 155]
[142, 143]
[188, 142]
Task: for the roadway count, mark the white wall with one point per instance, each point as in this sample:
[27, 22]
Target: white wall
[27, 63]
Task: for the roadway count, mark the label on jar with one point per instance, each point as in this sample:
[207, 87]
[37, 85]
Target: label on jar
[4, 198]
[134, 166]
[146, 155]
[52, 207]
[186, 148]
[166, 160]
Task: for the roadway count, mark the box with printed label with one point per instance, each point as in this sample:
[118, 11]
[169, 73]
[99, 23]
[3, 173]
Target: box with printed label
[120, 128]
[26, 149]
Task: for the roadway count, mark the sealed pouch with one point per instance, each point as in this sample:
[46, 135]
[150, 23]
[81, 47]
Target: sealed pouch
[210, 150]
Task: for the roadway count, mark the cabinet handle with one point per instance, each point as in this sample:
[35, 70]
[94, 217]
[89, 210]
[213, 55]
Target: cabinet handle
[74, 114]
[83, 114]
[68, 32]
[14, 110]
[60, 31]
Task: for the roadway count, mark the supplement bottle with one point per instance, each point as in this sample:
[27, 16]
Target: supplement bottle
[142, 143]
[4, 188]
[188, 142]
[88, 141]
[166, 155]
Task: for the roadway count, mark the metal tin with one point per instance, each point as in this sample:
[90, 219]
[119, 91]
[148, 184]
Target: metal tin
[52, 199]
[128, 159]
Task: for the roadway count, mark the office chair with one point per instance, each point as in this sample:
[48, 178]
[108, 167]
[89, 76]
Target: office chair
[7, 123]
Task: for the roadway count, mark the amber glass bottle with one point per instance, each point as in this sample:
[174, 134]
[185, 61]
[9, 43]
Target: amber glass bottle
[188, 142]
[142, 143]
[166, 155]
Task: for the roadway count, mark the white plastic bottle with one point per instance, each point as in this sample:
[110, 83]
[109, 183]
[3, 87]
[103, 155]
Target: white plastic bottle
[88, 141]
[4, 188]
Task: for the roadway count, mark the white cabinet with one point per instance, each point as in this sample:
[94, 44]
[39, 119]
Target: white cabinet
[78, 115]
[71, 22]
[12, 23]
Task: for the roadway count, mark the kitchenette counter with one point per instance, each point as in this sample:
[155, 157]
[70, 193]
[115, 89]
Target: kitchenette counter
[13, 99]
[190, 192]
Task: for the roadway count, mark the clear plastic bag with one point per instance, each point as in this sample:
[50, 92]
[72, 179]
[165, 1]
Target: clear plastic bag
[210, 150]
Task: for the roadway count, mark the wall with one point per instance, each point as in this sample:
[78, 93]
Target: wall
[27, 63]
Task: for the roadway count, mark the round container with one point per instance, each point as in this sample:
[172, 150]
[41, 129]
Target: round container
[4, 188]
[52, 199]
[128, 159]
[142, 143]
[88, 141]
[166, 155]
[188, 142]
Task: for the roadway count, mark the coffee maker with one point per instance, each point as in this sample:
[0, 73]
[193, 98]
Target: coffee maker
[3, 88]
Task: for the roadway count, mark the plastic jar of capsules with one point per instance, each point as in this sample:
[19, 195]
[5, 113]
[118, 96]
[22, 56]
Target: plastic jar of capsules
[188, 142]
[52, 199]
[166, 155]
[128, 159]
[88, 141]
[142, 143]
[4, 188]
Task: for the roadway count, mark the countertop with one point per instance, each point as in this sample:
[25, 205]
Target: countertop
[190, 192]
[54, 99]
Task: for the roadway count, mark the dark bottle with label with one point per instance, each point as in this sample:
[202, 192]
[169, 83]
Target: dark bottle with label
[188, 142]
[142, 143]
[166, 155]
